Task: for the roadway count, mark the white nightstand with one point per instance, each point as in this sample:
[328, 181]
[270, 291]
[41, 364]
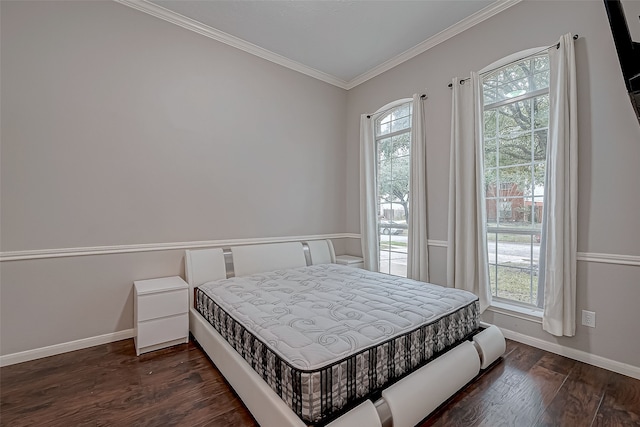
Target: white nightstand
[160, 313]
[350, 260]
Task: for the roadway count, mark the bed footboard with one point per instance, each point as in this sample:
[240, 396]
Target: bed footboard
[416, 396]
[403, 404]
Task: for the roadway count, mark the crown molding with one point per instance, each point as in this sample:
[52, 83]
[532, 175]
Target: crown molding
[442, 36]
[207, 31]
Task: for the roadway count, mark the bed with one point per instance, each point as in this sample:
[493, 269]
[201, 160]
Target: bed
[304, 341]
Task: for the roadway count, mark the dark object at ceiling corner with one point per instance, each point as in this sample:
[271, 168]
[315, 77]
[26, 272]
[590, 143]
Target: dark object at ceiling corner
[628, 51]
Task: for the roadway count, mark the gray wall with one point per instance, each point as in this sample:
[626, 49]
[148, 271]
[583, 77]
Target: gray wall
[609, 144]
[119, 128]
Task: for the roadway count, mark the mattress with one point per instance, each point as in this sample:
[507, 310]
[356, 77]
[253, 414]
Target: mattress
[325, 337]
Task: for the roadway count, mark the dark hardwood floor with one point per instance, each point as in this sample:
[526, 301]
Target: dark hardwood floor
[108, 385]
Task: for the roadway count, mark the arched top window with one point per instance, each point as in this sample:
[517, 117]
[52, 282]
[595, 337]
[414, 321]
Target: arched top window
[516, 119]
[516, 78]
[393, 117]
[393, 147]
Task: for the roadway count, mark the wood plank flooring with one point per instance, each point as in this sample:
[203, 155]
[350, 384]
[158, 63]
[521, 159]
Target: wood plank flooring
[108, 385]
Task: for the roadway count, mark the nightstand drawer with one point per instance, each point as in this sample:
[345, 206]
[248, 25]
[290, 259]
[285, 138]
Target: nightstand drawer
[158, 331]
[350, 260]
[152, 306]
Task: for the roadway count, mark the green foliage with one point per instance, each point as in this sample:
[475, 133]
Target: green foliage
[393, 170]
[515, 145]
[514, 284]
[515, 134]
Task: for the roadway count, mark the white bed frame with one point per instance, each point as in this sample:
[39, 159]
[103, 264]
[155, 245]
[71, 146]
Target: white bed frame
[403, 404]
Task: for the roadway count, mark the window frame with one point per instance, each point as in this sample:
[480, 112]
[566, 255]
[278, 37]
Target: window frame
[535, 303]
[377, 116]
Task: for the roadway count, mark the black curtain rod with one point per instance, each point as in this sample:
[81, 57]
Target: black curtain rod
[575, 37]
[423, 96]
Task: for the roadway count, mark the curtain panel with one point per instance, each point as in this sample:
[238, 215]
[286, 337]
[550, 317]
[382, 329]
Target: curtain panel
[467, 259]
[417, 245]
[558, 244]
[368, 194]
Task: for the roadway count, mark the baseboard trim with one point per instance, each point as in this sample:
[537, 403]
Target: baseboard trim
[52, 350]
[572, 353]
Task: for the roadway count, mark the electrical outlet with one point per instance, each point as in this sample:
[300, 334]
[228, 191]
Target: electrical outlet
[589, 318]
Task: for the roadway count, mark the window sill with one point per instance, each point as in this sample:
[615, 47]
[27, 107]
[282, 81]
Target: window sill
[513, 310]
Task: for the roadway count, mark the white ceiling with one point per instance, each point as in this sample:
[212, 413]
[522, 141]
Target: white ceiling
[342, 42]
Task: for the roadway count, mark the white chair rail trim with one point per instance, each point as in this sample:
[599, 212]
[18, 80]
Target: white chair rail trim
[609, 258]
[152, 247]
[632, 260]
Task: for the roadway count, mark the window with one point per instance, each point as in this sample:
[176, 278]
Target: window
[393, 143]
[516, 118]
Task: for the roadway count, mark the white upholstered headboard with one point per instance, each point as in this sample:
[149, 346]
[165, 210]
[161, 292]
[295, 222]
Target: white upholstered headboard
[204, 265]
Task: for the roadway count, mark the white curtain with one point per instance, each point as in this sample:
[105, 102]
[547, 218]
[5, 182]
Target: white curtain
[467, 260]
[557, 270]
[417, 246]
[368, 194]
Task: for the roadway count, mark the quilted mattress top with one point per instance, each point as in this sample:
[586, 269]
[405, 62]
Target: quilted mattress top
[314, 316]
